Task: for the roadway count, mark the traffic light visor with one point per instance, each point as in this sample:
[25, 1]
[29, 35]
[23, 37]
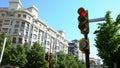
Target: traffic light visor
[82, 12]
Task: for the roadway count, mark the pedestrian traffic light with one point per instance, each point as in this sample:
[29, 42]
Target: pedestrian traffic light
[84, 44]
[83, 21]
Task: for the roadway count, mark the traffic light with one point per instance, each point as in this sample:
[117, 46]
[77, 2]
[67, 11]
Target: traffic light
[46, 56]
[51, 54]
[84, 44]
[83, 21]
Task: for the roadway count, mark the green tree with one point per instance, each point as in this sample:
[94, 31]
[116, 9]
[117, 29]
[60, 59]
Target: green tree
[2, 36]
[35, 57]
[107, 40]
[17, 56]
[69, 61]
[81, 64]
[61, 58]
[7, 51]
[14, 56]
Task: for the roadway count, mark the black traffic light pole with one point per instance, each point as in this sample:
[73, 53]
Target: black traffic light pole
[87, 53]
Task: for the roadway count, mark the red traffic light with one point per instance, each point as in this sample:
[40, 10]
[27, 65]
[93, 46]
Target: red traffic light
[51, 54]
[82, 12]
[83, 21]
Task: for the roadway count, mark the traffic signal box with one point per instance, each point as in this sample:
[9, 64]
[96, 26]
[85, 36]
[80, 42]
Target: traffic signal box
[84, 44]
[51, 55]
[83, 21]
[46, 56]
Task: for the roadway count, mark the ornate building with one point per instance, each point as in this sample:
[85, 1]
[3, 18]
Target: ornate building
[24, 26]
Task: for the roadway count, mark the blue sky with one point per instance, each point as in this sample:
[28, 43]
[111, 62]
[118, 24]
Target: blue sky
[62, 15]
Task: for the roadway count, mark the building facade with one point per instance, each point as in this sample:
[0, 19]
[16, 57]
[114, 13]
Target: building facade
[74, 49]
[24, 26]
[95, 61]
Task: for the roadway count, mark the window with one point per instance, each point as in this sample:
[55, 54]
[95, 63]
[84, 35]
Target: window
[20, 40]
[35, 29]
[14, 40]
[16, 30]
[2, 15]
[6, 23]
[11, 15]
[7, 20]
[0, 24]
[23, 24]
[17, 24]
[19, 15]
[5, 29]
[24, 16]
[1, 21]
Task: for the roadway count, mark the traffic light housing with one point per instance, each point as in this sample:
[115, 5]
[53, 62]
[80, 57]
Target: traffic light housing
[51, 55]
[84, 44]
[83, 21]
[46, 56]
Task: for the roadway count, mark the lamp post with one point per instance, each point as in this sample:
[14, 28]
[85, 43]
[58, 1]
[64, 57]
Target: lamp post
[3, 50]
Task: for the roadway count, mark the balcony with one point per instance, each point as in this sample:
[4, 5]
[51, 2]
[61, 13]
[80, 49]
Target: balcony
[5, 25]
[5, 31]
[25, 19]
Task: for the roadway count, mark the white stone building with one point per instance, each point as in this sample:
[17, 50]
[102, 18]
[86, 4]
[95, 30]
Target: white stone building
[24, 26]
[95, 61]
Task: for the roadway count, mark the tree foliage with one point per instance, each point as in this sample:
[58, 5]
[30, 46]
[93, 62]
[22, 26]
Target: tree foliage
[14, 56]
[107, 40]
[2, 36]
[25, 56]
[35, 56]
[68, 61]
